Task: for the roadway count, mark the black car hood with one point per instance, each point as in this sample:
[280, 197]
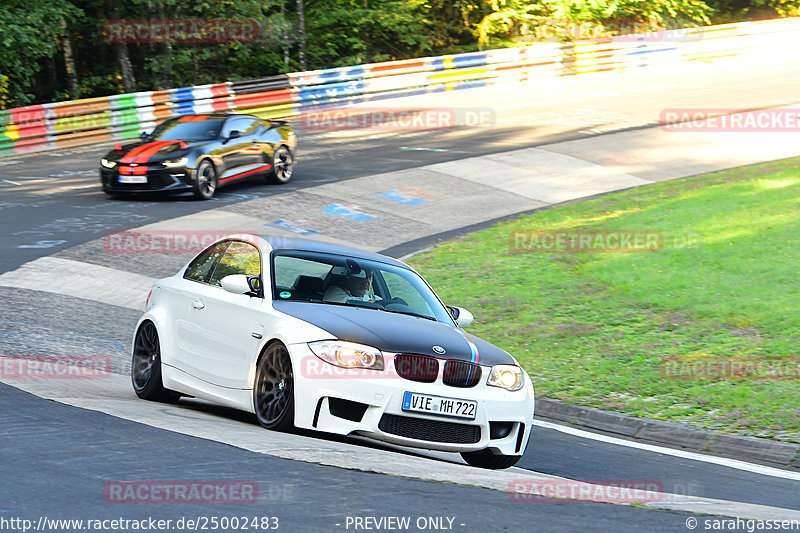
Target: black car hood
[394, 332]
[167, 152]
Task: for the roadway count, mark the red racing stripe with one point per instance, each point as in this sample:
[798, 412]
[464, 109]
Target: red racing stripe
[133, 153]
[153, 148]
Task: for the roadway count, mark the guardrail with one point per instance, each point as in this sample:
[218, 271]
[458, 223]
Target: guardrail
[80, 122]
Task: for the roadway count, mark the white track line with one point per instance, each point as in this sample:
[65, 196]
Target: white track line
[722, 461]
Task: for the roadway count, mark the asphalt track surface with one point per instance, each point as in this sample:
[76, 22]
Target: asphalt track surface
[56, 458]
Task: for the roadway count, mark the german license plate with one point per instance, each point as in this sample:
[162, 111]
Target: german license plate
[439, 405]
[133, 179]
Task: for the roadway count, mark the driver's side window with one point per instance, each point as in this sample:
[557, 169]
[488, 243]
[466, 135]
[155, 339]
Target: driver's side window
[236, 124]
[203, 265]
[240, 258]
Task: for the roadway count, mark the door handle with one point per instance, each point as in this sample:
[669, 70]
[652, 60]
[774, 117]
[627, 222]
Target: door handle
[198, 304]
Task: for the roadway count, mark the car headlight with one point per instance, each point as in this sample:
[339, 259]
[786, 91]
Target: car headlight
[348, 354]
[508, 377]
[177, 163]
[108, 164]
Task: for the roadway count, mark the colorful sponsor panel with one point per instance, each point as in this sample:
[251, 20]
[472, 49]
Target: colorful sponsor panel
[117, 117]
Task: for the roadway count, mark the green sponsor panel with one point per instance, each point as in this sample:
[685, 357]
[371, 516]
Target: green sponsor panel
[6, 142]
[124, 117]
[6, 147]
[123, 101]
[126, 131]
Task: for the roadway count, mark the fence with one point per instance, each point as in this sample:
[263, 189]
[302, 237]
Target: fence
[113, 118]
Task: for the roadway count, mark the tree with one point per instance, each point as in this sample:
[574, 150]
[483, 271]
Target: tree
[28, 34]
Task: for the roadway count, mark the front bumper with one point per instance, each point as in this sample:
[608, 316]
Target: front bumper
[157, 180]
[369, 403]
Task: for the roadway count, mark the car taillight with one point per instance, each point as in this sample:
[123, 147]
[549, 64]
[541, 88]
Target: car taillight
[149, 294]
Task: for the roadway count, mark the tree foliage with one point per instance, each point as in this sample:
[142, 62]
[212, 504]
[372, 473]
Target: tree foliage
[43, 40]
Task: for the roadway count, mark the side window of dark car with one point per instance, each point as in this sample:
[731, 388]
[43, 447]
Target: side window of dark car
[249, 126]
[203, 265]
[240, 258]
[245, 126]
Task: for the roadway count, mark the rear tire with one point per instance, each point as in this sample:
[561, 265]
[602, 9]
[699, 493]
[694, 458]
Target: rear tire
[486, 459]
[206, 181]
[273, 390]
[282, 166]
[146, 367]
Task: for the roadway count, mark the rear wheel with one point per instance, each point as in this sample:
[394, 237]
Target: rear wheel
[273, 390]
[282, 165]
[205, 184]
[146, 366]
[486, 459]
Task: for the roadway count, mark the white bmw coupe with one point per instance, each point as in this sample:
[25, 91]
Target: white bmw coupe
[324, 337]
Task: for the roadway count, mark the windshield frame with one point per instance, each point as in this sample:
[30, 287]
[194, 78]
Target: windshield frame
[378, 280]
[170, 122]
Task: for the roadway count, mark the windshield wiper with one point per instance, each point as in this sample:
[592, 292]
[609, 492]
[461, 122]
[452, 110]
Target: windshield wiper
[409, 314]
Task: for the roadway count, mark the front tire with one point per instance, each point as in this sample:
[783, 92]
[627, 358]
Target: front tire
[273, 390]
[486, 459]
[146, 366]
[282, 166]
[205, 184]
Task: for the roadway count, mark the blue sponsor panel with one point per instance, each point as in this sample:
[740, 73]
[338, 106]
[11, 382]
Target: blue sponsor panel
[184, 101]
[445, 86]
[288, 225]
[475, 59]
[334, 87]
[322, 93]
[346, 74]
[644, 54]
[347, 211]
[402, 197]
[647, 50]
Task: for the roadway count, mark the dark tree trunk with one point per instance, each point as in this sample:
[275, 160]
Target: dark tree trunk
[301, 27]
[121, 51]
[167, 73]
[69, 60]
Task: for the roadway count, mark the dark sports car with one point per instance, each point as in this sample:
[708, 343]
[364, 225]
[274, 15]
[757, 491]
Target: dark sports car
[199, 153]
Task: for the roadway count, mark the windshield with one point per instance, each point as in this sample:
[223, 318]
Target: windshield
[182, 129]
[340, 280]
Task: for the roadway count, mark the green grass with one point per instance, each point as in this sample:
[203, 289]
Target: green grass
[595, 328]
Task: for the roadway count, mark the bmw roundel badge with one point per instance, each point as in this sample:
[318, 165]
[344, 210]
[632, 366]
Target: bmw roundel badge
[438, 349]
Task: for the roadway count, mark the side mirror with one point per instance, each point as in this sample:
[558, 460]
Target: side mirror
[241, 284]
[144, 135]
[462, 317]
[235, 134]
